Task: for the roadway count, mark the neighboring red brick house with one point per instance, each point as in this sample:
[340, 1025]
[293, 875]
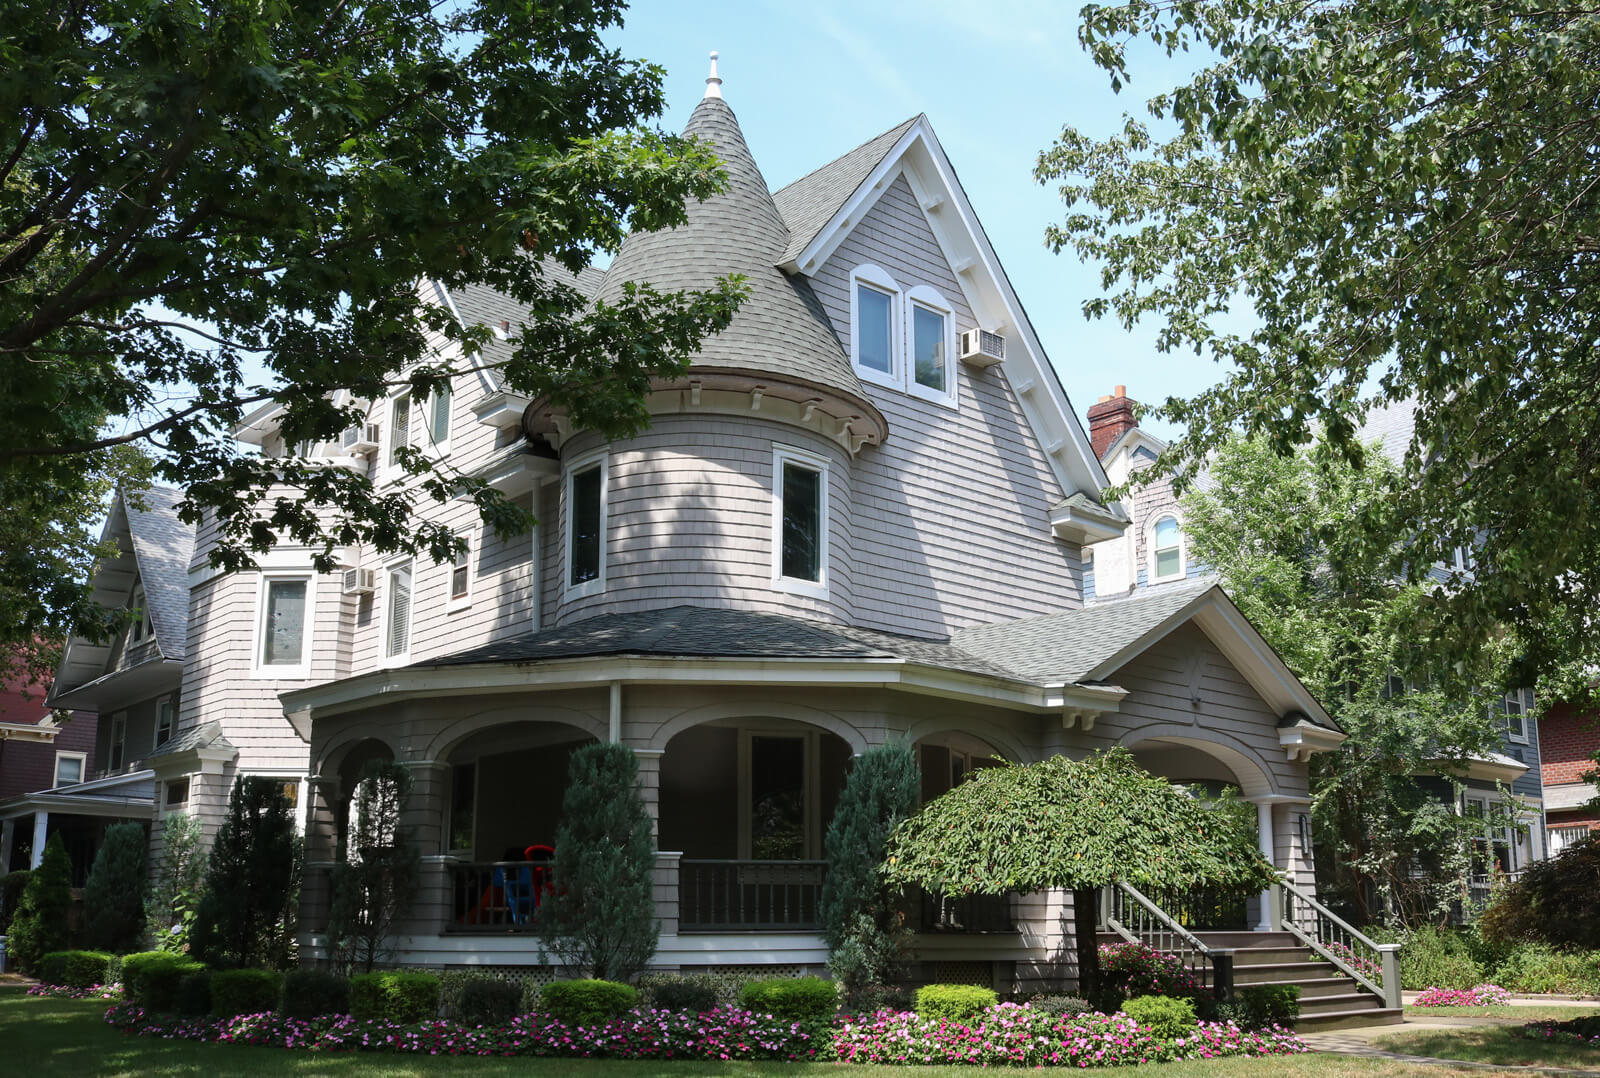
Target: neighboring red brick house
[37, 753]
[1570, 739]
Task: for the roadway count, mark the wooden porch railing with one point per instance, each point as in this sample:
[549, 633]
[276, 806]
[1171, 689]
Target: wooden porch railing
[749, 896]
[1375, 966]
[1137, 919]
[501, 896]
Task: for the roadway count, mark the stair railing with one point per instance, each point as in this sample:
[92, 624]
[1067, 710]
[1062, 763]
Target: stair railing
[1131, 915]
[1375, 966]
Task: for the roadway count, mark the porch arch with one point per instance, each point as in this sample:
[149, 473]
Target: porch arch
[453, 734]
[1004, 743]
[771, 709]
[1249, 770]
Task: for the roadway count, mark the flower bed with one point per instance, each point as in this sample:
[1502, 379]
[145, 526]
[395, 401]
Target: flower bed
[1137, 969]
[1484, 995]
[1581, 1031]
[66, 991]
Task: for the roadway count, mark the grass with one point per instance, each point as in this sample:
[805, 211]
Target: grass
[1527, 1013]
[1499, 1045]
[68, 1037]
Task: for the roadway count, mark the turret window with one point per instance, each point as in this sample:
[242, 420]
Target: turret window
[283, 626]
[800, 522]
[586, 526]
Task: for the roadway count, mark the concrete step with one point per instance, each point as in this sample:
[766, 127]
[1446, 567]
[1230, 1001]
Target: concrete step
[1341, 1004]
[1352, 1019]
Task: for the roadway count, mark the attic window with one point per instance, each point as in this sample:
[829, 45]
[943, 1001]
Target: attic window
[1166, 550]
[873, 316]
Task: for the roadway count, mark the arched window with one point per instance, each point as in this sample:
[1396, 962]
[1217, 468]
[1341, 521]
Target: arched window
[1166, 550]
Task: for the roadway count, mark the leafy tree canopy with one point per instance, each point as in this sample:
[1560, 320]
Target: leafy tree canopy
[1396, 199]
[209, 206]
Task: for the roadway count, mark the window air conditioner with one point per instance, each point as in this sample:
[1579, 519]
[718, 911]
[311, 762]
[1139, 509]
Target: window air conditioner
[362, 438]
[980, 348]
[360, 581]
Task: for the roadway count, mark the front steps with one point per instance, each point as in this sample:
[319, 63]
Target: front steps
[1328, 998]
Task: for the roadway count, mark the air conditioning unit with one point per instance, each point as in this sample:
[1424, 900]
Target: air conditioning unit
[361, 438]
[360, 581]
[980, 348]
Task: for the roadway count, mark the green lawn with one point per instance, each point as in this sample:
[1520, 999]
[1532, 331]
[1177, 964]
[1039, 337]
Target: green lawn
[1491, 1045]
[1531, 1013]
[67, 1037]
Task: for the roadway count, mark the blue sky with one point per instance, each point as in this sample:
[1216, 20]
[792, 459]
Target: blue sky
[997, 80]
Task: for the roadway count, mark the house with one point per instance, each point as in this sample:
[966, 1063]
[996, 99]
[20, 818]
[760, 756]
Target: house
[1569, 738]
[39, 750]
[859, 517]
[1153, 555]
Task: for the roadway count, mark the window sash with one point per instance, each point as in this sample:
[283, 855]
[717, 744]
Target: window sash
[801, 536]
[584, 525]
[874, 329]
[461, 574]
[165, 713]
[439, 415]
[64, 764]
[398, 629]
[283, 625]
[399, 425]
[930, 365]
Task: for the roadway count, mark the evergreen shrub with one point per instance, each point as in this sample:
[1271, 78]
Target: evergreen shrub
[150, 978]
[193, 994]
[954, 1002]
[244, 991]
[1269, 1005]
[586, 1003]
[40, 923]
[245, 915]
[313, 993]
[75, 969]
[792, 999]
[12, 885]
[1060, 1006]
[113, 896]
[394, 997]
[696, 993]
[1165, 1016]
[487, 1000]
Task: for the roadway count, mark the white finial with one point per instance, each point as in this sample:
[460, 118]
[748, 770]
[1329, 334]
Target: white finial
[713, 80]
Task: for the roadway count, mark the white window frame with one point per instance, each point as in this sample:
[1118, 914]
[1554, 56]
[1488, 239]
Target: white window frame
[301, 671]
[83, 767]
[1525, 699]
[878, 279]
[404, 657]
[582, 464]
[932, 300]
[438, 446]
[452, 601]
[171, 703]
[392, 470]
[1183, 557]
[786, 454]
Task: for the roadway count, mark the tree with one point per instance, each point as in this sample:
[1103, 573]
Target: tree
[1555, 901]
[40, 924]
[1075, 824]
[113, 896]
[1279, 531]
[246, 912]
[175, 897]
[209, 207]
[1375, 199]
[375, 882]
[599, 917]
[861, 915]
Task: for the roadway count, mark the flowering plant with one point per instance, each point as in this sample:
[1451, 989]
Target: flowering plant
[1582, 1031]
[66, 991]
[1136, 969]
[1484, 995]
[1356, 962]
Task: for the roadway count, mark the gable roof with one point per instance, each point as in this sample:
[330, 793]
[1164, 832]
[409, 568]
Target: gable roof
[163, 546]
[810, 202]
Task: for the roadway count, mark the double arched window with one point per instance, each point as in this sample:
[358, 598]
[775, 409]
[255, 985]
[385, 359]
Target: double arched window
[902, 338]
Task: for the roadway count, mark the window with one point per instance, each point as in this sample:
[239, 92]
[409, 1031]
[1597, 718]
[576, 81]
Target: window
[1518, 708]
[399, 426]
[1166, 545]
[930, 341]
[461, 575]
[463, 800]
[69, 768]
[283, 649]
[439, 417]
[119, 735]
[397, 613]
[800, 529]
[177, 793]
[166, 714]
[872, 325]
[586, 519]
[140, 629]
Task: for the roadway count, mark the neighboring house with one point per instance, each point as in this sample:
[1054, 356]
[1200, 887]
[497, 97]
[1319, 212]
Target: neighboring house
[1569, 739]
[1153, 554]
[39, 749]
[859, 517]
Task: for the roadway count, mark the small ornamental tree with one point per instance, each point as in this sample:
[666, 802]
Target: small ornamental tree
[861, 919]
[175, 896]
[40, 924]
[1075, 824]
[599, 918]
[251, 880]
[1556, 901]
[377, 878]
[113, 897]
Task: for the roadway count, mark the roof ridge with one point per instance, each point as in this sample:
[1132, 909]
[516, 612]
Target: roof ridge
[864, 142]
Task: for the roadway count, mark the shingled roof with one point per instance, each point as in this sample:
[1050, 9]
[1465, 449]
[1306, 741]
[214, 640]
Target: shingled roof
[162, 546]
[810, 202]
[480, 305]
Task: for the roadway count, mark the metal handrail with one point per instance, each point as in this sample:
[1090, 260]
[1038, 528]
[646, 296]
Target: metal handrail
[1166, 935]
[1327, 930]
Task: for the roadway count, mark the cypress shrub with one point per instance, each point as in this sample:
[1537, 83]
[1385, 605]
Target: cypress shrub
[375, 881]
[40, 924]
[113, 897]
[601, 918]
[954, 1002]
[12, 885]
[246, 915]
[313, 993]
[244, 991]
[586, 1003]
[791, 999]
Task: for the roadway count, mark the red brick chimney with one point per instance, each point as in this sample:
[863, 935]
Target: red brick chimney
[1109, 417]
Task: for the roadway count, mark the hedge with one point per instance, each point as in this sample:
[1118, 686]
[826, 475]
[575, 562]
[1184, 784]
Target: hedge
[244, 991]
[587, 1003]
[792, 999]
[487, 1000]
[312, 993]
[394, 997]
[680, 992]
[150, 978]
[75, 969]
[954, 1002]
[1164, 1016]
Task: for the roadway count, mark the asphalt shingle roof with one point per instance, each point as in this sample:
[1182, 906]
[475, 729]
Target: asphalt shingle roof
[810, 202]
[162, 546]
[205, 736]
[480, 305]
[1392, 425]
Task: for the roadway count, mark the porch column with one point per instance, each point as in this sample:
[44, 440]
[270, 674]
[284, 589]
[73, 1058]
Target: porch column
[321, 853]
[41, 821]
[650, 788]
[664, 889]
[1264, 838]
[7, 837]
[425, 816]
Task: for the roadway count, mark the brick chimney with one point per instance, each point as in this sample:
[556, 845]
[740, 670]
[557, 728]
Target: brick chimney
[1109, 417]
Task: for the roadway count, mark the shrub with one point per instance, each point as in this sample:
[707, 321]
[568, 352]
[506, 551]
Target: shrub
[1552, 902]
[601, 917]
[40, 924]
[113, 897]
[954, 1002]
[394, 997]
[1060, 1006]
[696, 993]
[488, 1001]
[193, 995]
[792, 999]
[1270, 1005]
[12, 885]
[151, 978]
[246, 914]
[1164, 1016]
[313, 993]
[374, 885]
[75, 969]
[1537, 968]
[244, 991]
[586, 1003]
[1432, 956]
[1134, 969]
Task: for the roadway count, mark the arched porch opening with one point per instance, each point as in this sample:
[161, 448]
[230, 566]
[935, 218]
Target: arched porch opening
[950, 757]
[947, 759]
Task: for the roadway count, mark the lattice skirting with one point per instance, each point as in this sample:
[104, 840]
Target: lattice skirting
[954, 972]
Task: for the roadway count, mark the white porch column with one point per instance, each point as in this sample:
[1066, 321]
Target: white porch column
[1265, 840]
[8, 834]
[41, 821]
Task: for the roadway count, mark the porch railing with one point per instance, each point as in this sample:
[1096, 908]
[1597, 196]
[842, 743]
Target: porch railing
[1137, 919]
[499, 896]
[971, 914]
[1206, 909]
[749, 896]
[1375, 966]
